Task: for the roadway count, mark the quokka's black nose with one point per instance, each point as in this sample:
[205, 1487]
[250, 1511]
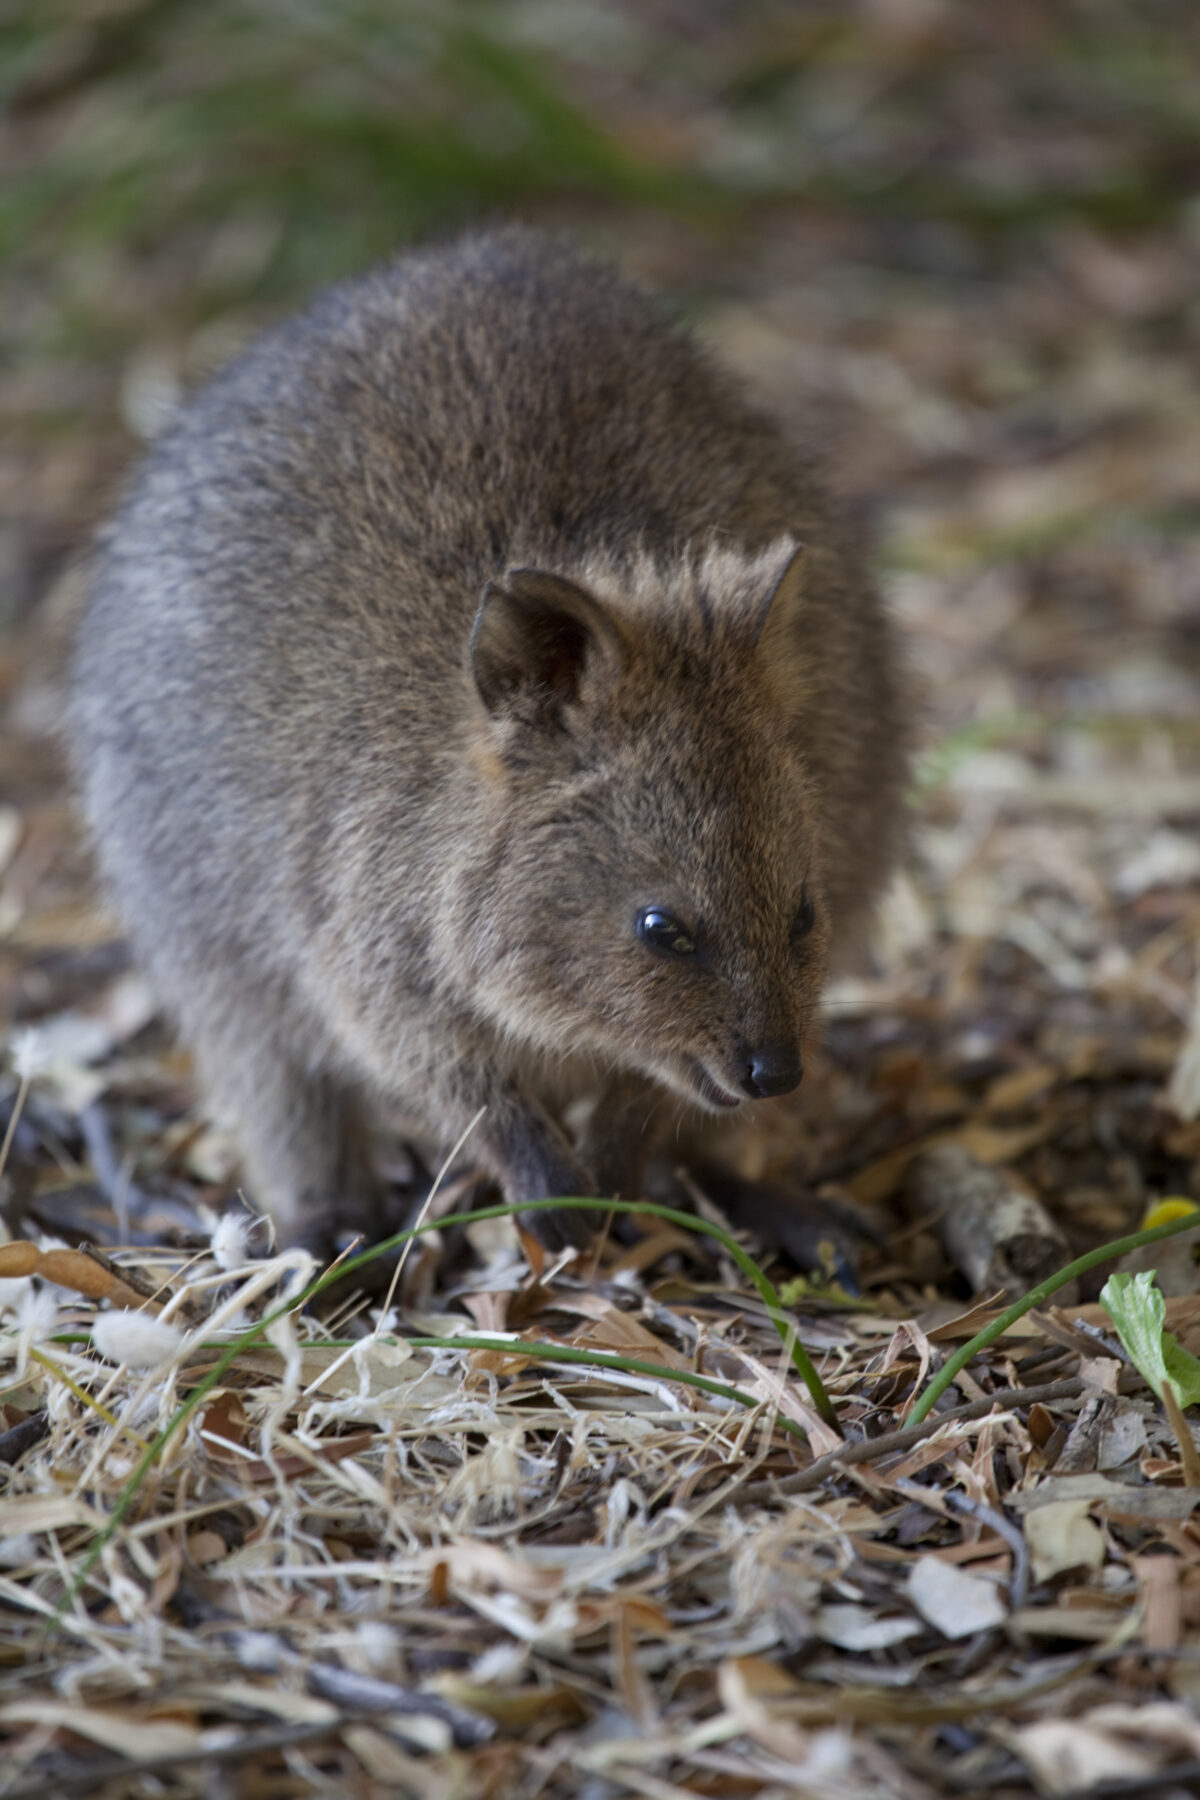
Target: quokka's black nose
[775, 1069]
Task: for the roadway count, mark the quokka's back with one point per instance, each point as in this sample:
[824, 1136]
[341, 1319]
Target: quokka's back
[478, 705]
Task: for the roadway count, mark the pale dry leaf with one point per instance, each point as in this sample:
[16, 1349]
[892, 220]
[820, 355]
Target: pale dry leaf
[28, 1513]
[853, 1627]
[1166, 859]
[751, 1690]
[269, 1697]
[388, 1765]
[1071, 1756]
[1124, 1436]
[1171, 1723]
[120, 1731]
[953, 1601]
[1062, 1535]
[476, 1566]
[1100, 1372]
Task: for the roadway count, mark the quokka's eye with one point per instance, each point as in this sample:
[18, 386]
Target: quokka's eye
[660, 932]
[802, 924]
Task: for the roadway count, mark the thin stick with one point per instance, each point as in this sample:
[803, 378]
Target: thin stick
[14, 1119]
[870, 1450]
[422, 1216]
[96, 1776]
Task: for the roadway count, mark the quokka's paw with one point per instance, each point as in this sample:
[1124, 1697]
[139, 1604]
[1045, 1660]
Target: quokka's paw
[823, 1238]
[347, 1226]
[560, 1228]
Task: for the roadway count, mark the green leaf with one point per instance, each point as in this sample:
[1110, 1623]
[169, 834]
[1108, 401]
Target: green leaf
[1139, 1312]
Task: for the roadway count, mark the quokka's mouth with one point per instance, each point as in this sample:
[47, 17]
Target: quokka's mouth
[712, 1092]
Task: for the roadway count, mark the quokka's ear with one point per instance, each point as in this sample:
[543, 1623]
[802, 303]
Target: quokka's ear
[776, 623]
[535, 637]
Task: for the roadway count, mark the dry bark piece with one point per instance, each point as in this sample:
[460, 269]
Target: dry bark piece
[1080, 1454]
[18, 1438]
[993, 1229]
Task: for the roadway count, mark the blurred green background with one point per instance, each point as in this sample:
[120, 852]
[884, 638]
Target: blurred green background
[173, 172]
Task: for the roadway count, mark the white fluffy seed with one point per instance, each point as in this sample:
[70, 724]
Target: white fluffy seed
[136, 1338]
[378, 1645]
[13, 1290]
[37, 1313]
[229, 1240]
[19, 1552]
[31, 1053]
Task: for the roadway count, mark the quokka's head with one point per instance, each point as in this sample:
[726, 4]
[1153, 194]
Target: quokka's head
[651, 889]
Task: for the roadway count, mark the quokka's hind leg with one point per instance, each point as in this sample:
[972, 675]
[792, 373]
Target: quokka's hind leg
[304, 1141]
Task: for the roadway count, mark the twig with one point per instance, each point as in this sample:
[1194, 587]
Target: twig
[421, 1217]
[1004, 1528]
[368, 1694]
[1181, 1778]
[96, 1776]
[14, 1119]
[869, 1450]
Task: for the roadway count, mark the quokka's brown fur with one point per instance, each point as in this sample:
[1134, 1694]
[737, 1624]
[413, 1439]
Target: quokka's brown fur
[460, 621]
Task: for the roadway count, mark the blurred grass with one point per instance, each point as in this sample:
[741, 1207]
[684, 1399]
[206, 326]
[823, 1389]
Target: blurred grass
[330, 133]
[255, 147]
[174, 172]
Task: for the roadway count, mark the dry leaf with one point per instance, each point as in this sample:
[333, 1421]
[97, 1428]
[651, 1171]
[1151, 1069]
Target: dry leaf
[67, 1268]
[1062, 1536]
[1071, 1756]
[953, 1601]
[120, 1731]
[853, 1627]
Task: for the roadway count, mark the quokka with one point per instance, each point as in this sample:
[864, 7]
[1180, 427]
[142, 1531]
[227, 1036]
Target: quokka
[479, 704]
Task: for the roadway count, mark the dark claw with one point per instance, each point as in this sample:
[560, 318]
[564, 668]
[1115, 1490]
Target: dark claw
[559, 1228]
[819, 1247]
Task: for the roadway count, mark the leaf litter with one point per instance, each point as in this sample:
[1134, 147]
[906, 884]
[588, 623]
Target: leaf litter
[364, 1565]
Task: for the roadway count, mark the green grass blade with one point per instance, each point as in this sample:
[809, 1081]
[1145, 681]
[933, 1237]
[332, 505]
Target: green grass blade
[1036, 1297]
